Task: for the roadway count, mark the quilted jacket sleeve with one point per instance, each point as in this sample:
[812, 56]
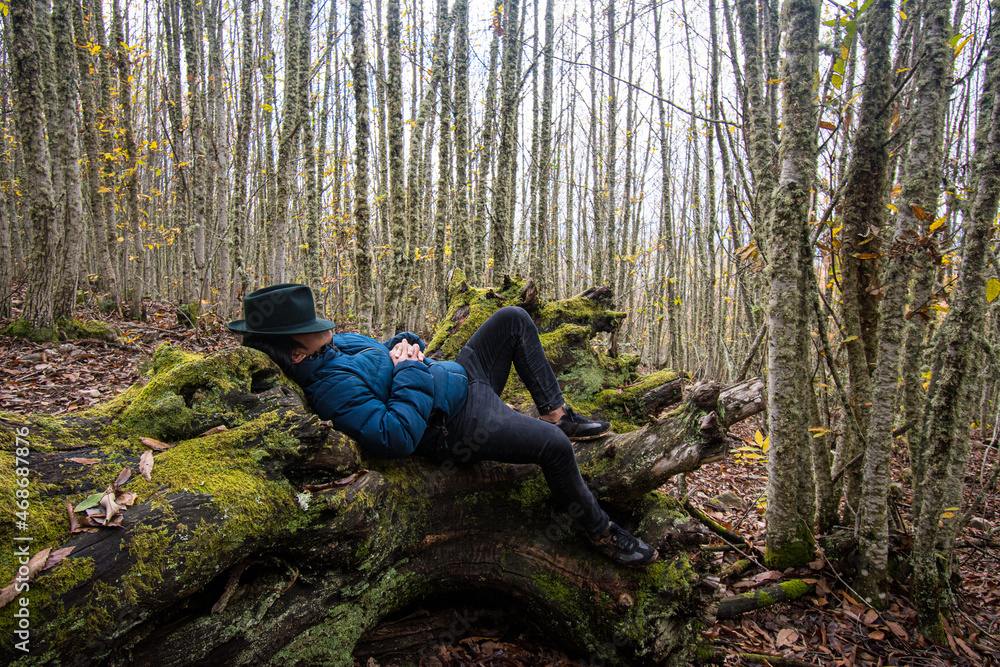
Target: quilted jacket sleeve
[387, 427]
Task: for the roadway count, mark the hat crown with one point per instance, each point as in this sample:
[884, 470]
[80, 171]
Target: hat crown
[287, 308]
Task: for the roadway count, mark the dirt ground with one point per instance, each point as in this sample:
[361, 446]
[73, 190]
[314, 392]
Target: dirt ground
[832, 627]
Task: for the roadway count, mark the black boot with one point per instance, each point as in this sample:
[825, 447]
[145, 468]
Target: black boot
[620, 546]
[578, 427]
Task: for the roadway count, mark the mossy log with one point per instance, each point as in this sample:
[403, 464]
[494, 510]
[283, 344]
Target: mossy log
[274, 541]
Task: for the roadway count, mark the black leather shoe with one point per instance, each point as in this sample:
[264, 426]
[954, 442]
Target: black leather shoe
[620, 546]
[578, 427]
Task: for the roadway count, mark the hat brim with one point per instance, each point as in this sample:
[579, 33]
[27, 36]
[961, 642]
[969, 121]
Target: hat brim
[315, 326]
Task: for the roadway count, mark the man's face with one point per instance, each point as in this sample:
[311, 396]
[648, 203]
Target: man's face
[310, 344]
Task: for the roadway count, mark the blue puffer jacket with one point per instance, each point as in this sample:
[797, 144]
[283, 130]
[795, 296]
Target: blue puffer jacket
[384, 407]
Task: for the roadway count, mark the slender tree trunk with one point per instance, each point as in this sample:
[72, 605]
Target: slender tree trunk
[37, 182]
[131, 166]
[920, 189]
[267, 75]
[65, 131]
[486, 142]
[362, 215]
[665, 243]
[955, 377]
[396, 174]
[756, 126]
[504, 195]
[789, 532]
[240, 218]
[444, 194]
[288, 147]
[96, 200]
[863, 215]
[461, 224]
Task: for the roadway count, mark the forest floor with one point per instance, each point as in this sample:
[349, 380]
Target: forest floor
[831, 627]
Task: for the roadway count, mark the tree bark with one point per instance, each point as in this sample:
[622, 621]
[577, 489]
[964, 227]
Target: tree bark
[955, 380]
[362, 214]
[37, 184]
[282, 520]
[789, 528]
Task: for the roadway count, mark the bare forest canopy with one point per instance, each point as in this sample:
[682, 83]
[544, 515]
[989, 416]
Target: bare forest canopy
[807, 192]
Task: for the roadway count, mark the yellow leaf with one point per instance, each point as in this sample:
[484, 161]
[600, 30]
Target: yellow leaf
[758, 437]
[766, 445]
[773, 81]
[947, 515]
[992, 289]
[937, 223]
[892, 207]
[961, 45]
[903, 15]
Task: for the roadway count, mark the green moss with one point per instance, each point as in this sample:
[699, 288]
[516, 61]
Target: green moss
[22, 328]
[795, 588]
[797, 552]
[554, 588]
[89, 329]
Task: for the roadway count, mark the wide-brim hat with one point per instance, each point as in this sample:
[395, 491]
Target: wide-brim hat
[280, 309]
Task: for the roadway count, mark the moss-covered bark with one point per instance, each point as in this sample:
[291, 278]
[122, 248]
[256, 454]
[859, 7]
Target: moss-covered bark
[275, 542]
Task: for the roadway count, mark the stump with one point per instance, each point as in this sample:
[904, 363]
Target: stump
[275, 541]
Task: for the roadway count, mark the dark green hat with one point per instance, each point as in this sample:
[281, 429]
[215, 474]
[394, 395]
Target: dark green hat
[280, 309]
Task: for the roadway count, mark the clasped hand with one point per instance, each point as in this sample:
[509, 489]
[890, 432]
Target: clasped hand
[403, 351]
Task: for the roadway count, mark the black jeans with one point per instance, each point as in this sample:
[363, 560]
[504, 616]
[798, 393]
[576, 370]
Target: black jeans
[486, 429]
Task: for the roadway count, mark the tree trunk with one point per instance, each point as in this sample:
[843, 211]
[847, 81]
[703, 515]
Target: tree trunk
[504, 196]
[955, 377]
[37, 179]
[920, 189]
[789, 528]
[863, 215]
[282, 520]
[239, 219]
[362, 214]
[397, 175]
[65, 132]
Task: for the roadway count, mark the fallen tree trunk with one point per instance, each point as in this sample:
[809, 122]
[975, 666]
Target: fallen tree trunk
[274, 541]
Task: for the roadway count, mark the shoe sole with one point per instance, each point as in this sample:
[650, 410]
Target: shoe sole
[579, 438]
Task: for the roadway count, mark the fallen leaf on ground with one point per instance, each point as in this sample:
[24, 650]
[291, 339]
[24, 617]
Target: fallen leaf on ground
[152, 443]
[146, 464]
[123, 476]
[34, 566]
[213, 430]
[57, 556]
[86, 462]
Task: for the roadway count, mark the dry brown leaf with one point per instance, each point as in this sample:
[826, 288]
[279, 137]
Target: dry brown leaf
[146, 464]
[86, 462]
[213, 430]
[123, 476]
[35, 565]
[976, 658]
[109, 504]
[152, 443]
[786, 637]
[897, 630]
[74, 525]
[125, 498]
[57, 556]
[871, 617]
[877, 635]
